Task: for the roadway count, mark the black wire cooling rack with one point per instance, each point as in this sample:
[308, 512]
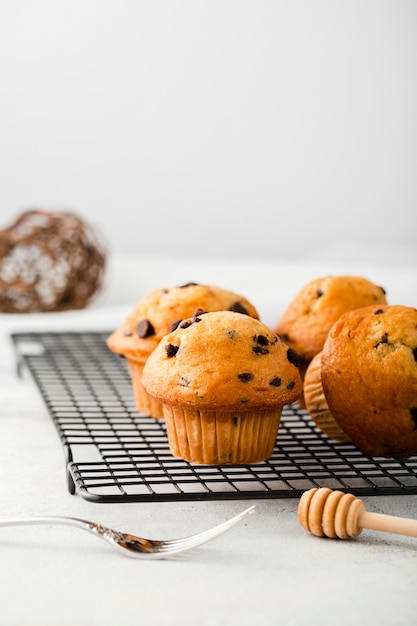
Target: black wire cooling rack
[115, 454]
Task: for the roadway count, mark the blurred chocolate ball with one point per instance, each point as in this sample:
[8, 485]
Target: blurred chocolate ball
[49, 262]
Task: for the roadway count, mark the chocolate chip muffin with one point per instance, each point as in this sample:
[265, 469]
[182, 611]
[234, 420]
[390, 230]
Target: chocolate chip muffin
[223, 379]
[316, 403]
[369, 377]
[158, 313]
[313, 311]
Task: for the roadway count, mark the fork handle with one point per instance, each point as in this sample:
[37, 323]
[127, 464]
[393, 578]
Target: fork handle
[38, 521]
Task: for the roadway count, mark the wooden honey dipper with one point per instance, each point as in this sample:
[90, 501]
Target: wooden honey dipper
[328, 513]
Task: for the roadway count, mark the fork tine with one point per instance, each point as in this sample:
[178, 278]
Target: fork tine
[185, 543]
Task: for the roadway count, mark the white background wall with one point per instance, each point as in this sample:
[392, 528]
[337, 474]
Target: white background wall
[280, 129]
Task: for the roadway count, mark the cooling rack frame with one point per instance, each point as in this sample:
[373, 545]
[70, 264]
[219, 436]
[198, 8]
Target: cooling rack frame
[115, 454]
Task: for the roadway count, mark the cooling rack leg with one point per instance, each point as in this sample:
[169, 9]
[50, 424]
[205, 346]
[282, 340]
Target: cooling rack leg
[70, 482]
[68, 459]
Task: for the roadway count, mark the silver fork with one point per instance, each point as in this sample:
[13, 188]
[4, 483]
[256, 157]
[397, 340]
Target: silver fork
[137, 547]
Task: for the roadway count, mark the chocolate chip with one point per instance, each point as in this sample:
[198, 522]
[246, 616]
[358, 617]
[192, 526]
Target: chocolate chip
[198, 312]
[187, 285]
[383, 290]
[291, 385]
[145, 329]
[262, 340]
[171, 350]
[174, 325]
[384, 339]
[238, 307]
[415, 354]
[245, 377]
[235, 421]
[260, 350]
[293, 357]
[275, 382]
[319, 293]
[413, 412]
[232, 334]
[185, 324]
[286, 338]
[378, 312]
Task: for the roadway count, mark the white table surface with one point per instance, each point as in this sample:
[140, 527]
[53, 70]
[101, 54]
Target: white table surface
[267, 570]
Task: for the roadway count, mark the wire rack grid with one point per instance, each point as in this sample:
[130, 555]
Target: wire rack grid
[115, 454]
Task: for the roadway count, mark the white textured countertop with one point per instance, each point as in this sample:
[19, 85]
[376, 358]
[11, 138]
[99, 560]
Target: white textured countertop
[265, 571]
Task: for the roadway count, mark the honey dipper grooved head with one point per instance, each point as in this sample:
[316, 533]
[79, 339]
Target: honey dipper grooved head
[327, 513]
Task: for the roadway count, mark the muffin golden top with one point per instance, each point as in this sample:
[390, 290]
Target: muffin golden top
[369, 377]
[313, 311]
[223, 360]
[160, 311]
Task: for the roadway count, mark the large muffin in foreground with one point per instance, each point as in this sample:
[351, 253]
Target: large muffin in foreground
[223, 379]
[157, 314]
[313, 311]
[369, 377]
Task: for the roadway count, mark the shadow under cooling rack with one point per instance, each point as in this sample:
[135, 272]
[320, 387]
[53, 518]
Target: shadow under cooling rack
[115, 454]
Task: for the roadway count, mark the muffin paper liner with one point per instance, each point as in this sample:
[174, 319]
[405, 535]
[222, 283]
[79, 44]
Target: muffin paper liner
[316, 404]
[222, 437]
[144, 402]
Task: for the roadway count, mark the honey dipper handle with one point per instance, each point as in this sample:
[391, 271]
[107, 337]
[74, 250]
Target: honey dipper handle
[388, 523]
